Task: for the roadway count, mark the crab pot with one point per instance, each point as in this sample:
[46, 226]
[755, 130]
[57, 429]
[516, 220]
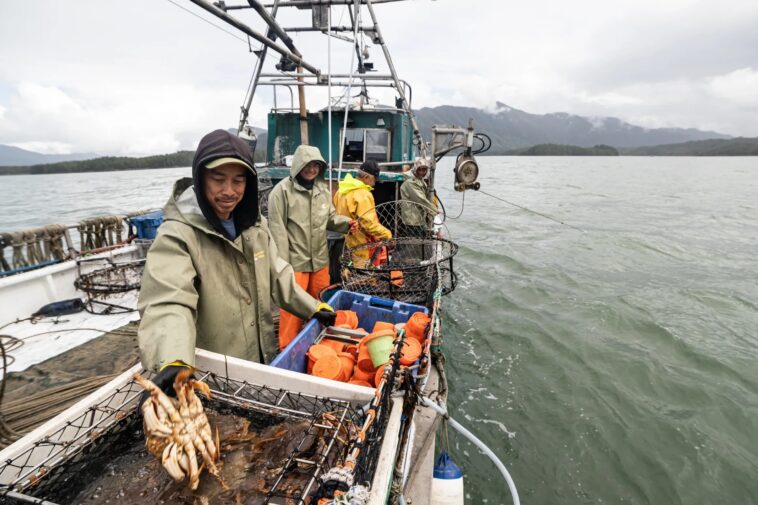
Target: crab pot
[274, 446]
[406, 269]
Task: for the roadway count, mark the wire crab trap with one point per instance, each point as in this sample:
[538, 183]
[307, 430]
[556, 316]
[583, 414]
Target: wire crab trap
[402, 218]
[408, 268]
[107, 283]
[275, 446]
[265, 185]
[404, 269]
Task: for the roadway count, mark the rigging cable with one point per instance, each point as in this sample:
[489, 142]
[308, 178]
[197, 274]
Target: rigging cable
[356, 22]
[212, 24]
[532, 211]
[329, 93]
[444, 211]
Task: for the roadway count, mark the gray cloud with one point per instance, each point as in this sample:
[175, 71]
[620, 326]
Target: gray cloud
[146, 76]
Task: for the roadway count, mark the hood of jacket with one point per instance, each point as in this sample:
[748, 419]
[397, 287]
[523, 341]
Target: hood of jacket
[350, 183]
[222, 144]
[304, 155]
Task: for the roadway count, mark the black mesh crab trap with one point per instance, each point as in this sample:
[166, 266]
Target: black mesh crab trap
[404, 269]
[408, 268]
[107, 282]
[275, 444]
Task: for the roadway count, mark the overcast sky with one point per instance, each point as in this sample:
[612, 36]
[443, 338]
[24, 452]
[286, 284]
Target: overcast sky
[146, 76]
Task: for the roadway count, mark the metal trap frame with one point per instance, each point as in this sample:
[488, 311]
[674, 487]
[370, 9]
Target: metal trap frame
[406, 269]
[35, 474]
[101, 278]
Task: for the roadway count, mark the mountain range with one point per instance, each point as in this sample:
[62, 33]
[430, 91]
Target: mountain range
[10, 155]
[510, 128]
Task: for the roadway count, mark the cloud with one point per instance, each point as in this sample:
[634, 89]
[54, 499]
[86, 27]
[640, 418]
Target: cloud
[739, 87]
[121, 82]
[120, 120]
[45, 147]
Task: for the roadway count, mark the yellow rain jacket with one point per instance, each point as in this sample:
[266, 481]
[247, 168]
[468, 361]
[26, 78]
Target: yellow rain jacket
[298, 217]
[202, 289]
[354, 200]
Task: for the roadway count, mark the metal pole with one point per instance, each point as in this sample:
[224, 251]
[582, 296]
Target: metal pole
[329, 95]
[257, 36]
[273, 25]
[303, 111]
[313, 3]
[401, 92]
[257, 73]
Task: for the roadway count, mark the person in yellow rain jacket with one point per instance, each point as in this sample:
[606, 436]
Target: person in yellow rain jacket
[354, 200]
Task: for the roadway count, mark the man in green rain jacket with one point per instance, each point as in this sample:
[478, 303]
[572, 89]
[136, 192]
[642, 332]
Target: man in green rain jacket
[213, 269]
[414, 190]
[300, 211]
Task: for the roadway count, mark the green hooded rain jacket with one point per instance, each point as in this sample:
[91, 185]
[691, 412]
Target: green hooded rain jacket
[202, 289]
[414, 190]
[299, 217]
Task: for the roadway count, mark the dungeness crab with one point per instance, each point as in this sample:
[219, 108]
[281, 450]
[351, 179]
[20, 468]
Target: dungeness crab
[177, 430]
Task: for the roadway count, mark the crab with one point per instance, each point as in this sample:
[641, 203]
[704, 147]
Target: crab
[177, 430]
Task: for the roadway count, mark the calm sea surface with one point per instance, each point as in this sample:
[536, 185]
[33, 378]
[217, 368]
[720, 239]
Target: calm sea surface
[617, 364]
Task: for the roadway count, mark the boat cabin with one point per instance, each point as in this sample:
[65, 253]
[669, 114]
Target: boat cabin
[382, 134]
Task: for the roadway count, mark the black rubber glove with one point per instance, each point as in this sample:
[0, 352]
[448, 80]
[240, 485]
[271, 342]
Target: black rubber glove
[325, 314]
[165, 381]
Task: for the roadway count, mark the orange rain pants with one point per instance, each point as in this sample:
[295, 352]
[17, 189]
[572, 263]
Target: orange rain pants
[289, 324]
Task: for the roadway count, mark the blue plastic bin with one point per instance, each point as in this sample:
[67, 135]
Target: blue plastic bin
[147, 224]
[370, 309]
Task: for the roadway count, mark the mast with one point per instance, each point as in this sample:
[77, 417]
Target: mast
[401, 92]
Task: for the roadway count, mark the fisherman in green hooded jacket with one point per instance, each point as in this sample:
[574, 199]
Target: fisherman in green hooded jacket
[300, 211]
[416, 214]
[213, 269]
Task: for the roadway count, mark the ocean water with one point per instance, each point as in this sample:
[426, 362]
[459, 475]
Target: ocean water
[613, 363]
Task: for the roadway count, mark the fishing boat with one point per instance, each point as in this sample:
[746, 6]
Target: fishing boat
[370, 441]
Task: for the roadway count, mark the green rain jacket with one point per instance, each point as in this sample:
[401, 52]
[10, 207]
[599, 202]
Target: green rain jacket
[414, 190]
[299, 217]
[202, 289]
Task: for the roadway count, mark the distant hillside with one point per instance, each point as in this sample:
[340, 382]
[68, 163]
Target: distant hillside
[511, 128]
[113, 163]
[15, 156]
[105, 164]
[740, 146]
[564, 150]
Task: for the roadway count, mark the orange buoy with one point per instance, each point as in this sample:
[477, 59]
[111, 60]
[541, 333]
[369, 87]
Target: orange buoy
[410, 352]
[352, 349]
[381, 325]
[334, 344]
[317, 351]
[378, 375]
[328, 367]
[360, 374]
[347, 317]
[348, 362]
[416, 326]
[396, 278]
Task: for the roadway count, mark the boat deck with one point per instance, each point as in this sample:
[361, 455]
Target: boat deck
[35, 341]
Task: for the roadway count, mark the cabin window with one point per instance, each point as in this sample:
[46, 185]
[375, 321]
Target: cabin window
[366, 144]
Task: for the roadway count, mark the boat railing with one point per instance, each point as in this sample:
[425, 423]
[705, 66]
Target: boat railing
[32, 248]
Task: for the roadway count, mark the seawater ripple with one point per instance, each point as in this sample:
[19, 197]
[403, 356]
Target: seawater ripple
[616, 365]
[622, 358]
